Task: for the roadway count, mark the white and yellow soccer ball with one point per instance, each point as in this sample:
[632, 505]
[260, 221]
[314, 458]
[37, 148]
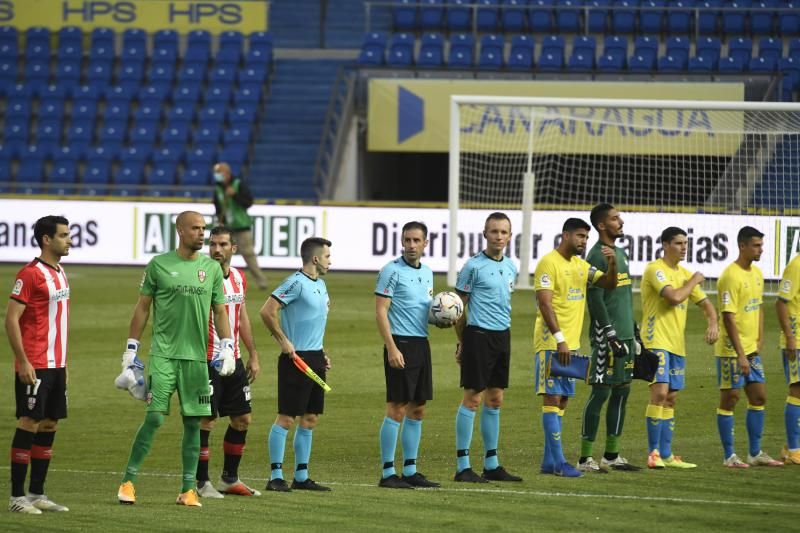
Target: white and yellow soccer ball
[446, 307]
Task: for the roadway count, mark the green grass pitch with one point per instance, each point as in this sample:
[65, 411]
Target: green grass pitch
[92, 445]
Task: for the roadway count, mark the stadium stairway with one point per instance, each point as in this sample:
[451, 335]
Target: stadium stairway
[295, 23]
[286, 150]
[344, 24]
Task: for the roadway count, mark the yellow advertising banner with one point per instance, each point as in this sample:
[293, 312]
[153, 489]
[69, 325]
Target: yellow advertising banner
[410, 115]
[151, 15]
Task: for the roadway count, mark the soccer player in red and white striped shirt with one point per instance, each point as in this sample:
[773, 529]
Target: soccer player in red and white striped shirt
[230, 396]
[37, 322]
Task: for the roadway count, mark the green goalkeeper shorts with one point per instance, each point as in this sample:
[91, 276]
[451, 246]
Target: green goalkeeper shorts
[189, 378]
[606, 370]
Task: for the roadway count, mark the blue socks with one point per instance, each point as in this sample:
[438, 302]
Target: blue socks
[653, 420]
[791, 416]
[551, 424]
[490, 430]
[388, 436]
[410, 437]
[302, 453]
[755, 427]
[725, 427]
[277, 446]
[464, 422]
[667, 427]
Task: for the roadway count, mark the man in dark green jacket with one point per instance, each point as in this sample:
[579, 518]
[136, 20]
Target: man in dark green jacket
[232, 198]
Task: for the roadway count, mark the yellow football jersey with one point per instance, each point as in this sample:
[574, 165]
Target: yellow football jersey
[789, 292]
[663, 325]
[740, 291]
[568, 281]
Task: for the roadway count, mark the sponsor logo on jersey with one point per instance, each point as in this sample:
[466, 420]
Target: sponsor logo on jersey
[661, 276]
[786, 286]
[144, 277]
[17, 290]
[544, 280]
[204, 399]
[174, 274]
[726, 298]
[201, 275]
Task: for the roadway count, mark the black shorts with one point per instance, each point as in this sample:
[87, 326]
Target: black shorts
[230, 396]
[46, 399]
[298, 394]
[414, 383]
[485, 358]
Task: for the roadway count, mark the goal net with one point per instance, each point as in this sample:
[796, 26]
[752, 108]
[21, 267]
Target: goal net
[707, 167]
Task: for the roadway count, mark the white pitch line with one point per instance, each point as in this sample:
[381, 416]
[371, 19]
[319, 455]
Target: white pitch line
[537, 493]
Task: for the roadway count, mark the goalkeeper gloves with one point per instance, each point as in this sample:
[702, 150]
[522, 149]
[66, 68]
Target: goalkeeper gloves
[638, 337]
[132, 375]
[618, 348]
[224, 361]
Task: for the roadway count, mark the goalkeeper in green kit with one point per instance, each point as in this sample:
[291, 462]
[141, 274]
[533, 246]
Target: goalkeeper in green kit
[613, 337]
[181, 286]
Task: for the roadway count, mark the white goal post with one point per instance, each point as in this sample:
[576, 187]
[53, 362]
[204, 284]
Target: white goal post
[686, 163]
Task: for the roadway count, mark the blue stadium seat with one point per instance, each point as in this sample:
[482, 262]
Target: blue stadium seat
[580, 61]
[84, 110]
[162, 174]
[167, 39]
[68, 51]
[584, 50]
[235, 155]
[680, 16]
[169, 155]
[462, 49]
[102, 36]
[37, 44]
[794, 48]
[201, 155]
[180, 113]
[147, 113]
[162, 73]
[63, 176]
[247, 95]
[130, 76]
[211, 116]
[790, 68]
[404, 15]
[252, 75]
[196, 175]
[487, 18]
[762, 64]
[18, 108]
[152, 95]
[709, 48]
[51, 109]
[521, 54]
[708, 20]
[770, 47]
[37, 74]
[401, 50]
[644, 62]
[9, 49]
[144, 133]
[191, 73]
[568, 19]
[371, 55]
[646, 46]
[112, 135]
[96, 176]
[71, 35]
[8, 75]
[670, 63]
[615, 45]
[741, 48]
[431, 52]
[5, 168]
[459, 18]
[127, 177]
[85, 93]
[197, 53]
[614, 62]
[101, 52]
[678, 48]
[48, 130]
[15, 133]
[120, 94]
[540, 16]
[734, 17]
[623, 18]
[789, 19]
[491, 53]
[175, 133]
[762, 17]
[651, 17]
[431, 14]
[260, 39]
[68, 73]
[700, 64]
[229, 52]
[513, 16]
[30, 171]
[551, 58]
[732, 64]
[223, 75]
[134, 55]
[8, 34]
[235, 136]
[99, 76]
[239, 115]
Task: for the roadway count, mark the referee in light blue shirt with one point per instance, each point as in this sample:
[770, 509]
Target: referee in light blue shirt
[302, 300]
[403, 295]
[485, 283]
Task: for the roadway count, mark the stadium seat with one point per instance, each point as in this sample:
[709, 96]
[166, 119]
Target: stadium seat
[51, 108]
[762, 17]
[373, 48]
[709, 48]
[431, 14]
[8, 75]
[69, 50]
[550, 62]
[762, 64]
[623, 17]
[198, 48]
[512, 15]
[700, 64]
[175, 133]
[246, 95]
[789, 19]
[670, 63]
[770, 47]
[162, 73]
[680, 16]
[540, 16]
[131, 76]
[790, 68]
[616, 45]
[734, 16]
[404, 15]
[708, 20]
[48, 130]
[491, 53]
[99, 75]
[260, 40]
[401, 50]
[678, 48]
[37, 44]
[644, 62]
[252, 75]
[30, 171]
[160, 175]
[741, 48]
[191, 73]
[614, 62]
[584, 50]
[201, 155]
[196, 175]
[732, 64]
[120, 93]
[651, 17]
[207, 135]
[68, 73]
[15, 133]
[521, 55]
[112, 135]
[18, 108]
[144, 133]
[459, 18]
[794, 48]
[567, 16]
[37, 74]
[487, 17]
[152, 95]
[96, 176]
[431, 52]
[646, 45]
[127, 177]
[84, 110]
[211, 116]
[134, 55]
[580, 62]
[230, 49]
[147, 113]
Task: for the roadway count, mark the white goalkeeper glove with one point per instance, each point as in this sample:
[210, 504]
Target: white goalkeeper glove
[132, 376]
[224, 361]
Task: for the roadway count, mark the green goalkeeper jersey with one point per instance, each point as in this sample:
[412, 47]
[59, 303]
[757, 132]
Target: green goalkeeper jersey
[614, 307]
[183, 292]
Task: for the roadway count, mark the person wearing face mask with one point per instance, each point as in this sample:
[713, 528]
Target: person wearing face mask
[232, 198]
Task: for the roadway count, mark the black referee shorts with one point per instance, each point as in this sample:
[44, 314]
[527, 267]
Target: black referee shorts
[414, 383]
[485, 358]
[45, 399]
[230, 395]
[298, 394]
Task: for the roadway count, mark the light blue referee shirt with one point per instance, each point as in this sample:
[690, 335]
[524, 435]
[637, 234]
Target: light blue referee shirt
[411, 291]
[489, 284]
[305, 310]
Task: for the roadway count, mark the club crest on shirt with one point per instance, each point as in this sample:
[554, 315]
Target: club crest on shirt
[786, 286]
[201, 275]
[17, 290]
[544, 280]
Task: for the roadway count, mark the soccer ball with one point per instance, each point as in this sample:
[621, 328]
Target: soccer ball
[446, 307]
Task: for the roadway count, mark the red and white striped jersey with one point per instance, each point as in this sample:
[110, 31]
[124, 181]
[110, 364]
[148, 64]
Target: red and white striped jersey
[235, 286]
[44, 291]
